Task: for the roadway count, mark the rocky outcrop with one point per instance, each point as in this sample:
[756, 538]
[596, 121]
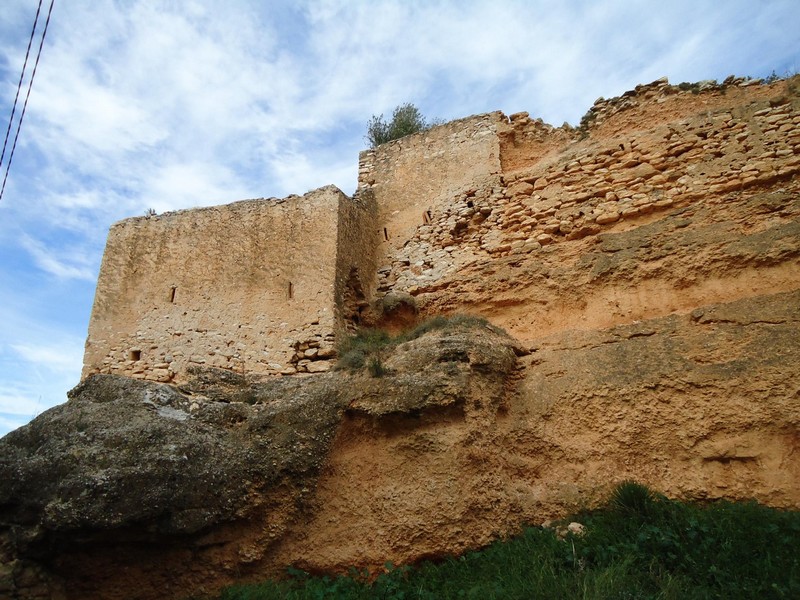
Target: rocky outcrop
[141, 474]
[139, 490]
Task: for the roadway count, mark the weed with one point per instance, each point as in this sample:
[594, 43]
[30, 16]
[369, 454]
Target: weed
[368, 346]
[376, 367]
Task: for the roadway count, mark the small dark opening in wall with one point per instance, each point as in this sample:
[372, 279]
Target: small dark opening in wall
[622, 146]
[385, 235]
[172, 294]
[290, 290]
[135, 355]
[426, 217]
[470, 204]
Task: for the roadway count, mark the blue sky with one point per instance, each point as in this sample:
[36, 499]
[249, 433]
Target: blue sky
[169, 104]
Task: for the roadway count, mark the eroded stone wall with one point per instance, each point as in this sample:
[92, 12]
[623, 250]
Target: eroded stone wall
[411, 176]
[247, 286]
[647, 265]
[356, 266]
[264, 286]
[561, 184]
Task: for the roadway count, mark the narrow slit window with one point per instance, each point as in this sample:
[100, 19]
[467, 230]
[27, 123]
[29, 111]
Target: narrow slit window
[172, 294]
[290, 290]
[470, 204]
[385, 235]
[135, 355]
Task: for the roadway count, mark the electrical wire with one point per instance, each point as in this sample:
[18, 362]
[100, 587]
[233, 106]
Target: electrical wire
[19, 85]
[28, 94]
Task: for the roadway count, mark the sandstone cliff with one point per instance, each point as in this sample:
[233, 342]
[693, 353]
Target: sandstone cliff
[651, 295]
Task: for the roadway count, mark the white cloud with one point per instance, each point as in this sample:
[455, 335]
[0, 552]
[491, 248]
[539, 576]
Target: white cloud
[61, 358]
[37, 367]
[15, 403]
[70, 265]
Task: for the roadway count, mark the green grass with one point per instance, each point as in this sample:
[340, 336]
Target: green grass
[640, 545]
[367, 346]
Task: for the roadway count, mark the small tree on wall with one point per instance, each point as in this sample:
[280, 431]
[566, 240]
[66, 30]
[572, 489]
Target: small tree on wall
[406, 119]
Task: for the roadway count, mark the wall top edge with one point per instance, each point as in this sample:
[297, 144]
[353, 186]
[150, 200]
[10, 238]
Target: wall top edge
[235, 205]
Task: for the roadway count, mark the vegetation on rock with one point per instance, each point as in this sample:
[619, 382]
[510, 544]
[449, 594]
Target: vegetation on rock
[366, 346]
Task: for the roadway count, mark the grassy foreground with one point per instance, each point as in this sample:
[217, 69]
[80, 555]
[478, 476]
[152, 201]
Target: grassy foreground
[640, 545]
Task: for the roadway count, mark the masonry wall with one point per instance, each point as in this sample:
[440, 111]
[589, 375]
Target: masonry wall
[654, 149]
[410, 176]
[247, 286]
[356, 260]
[264, 286]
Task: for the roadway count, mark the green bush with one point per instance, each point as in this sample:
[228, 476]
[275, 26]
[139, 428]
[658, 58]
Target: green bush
[640, 545]
[366, 340]
[376, 367]
[355, 350]
[406, 119]
[448, 323]
[633, 499]
[352, 360]
[368, 345]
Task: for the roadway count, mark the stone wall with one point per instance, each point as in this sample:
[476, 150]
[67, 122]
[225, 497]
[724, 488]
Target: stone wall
[646, 266]
[409, 177]
[264, 286]
[247, 286]
[356, 266]
[560, 184]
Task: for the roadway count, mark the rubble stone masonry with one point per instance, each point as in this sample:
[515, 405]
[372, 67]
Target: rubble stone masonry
[653, 149]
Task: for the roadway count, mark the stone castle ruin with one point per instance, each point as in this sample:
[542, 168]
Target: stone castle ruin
[265, 286]
[258, 286]
[646, 269]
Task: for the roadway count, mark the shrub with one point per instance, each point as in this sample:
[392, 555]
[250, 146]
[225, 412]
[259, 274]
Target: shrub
[354, 350]
[352, 360]
[448, 323]
[406, 119]
[367, 346]
[633, 499]
[376, 367]
[366, 340]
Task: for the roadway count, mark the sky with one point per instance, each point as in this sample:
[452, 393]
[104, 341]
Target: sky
[170, 104]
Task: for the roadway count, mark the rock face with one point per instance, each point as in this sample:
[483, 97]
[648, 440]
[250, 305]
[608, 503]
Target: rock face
[136, 489]
[653, 334]
[148, 471]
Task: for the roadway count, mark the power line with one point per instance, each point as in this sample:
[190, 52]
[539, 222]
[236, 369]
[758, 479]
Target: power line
[28, 94]
[19, 85]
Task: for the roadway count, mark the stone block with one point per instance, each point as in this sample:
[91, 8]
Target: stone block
[607, 217]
